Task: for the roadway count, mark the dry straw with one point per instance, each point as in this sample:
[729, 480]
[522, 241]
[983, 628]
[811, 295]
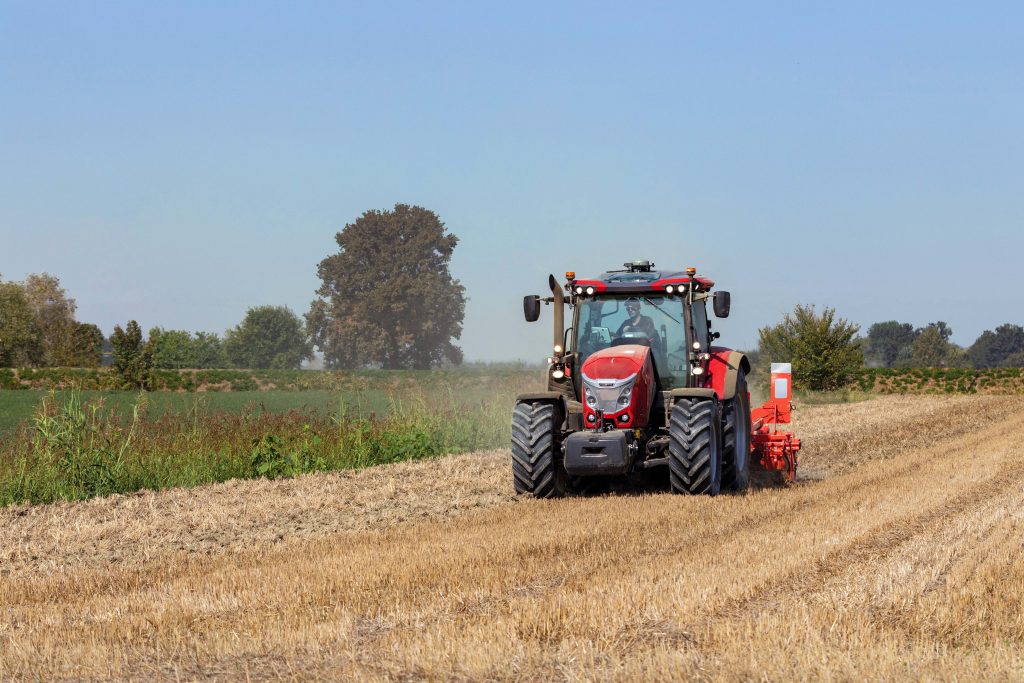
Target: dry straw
[901, 559]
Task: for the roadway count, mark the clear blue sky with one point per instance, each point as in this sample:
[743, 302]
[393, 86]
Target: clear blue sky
[177, 163]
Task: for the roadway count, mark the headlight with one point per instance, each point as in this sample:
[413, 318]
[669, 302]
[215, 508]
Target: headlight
[590, 291]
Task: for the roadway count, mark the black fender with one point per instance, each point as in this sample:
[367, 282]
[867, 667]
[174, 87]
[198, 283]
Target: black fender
[690, 392]
[554, 397]
[671, 397]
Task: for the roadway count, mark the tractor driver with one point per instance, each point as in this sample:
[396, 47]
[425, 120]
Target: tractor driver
[637, 322]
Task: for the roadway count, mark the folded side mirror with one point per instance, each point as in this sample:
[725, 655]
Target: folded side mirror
[722, 303]
[531, 307]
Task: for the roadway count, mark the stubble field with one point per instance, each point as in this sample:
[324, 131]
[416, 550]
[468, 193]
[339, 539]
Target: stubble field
[901, 555]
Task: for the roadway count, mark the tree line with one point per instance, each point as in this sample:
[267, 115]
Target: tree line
[39, 328]
[269, 337]
[893, 344]
[387, 299]
[826, 350]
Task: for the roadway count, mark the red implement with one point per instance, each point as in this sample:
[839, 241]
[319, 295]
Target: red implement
[776, 449]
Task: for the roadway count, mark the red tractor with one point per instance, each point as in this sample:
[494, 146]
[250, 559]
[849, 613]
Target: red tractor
[636, 383]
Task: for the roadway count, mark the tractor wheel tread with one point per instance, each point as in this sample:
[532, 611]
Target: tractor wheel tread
[694, 454]
[736, 416]
[536, 466]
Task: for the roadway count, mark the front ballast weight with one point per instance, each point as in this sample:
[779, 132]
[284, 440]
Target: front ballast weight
[777, 450]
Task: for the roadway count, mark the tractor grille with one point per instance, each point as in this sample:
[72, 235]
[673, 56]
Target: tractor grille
[607, 398]
[604, 395]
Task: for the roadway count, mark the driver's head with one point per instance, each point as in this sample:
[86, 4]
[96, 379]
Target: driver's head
[633, 307]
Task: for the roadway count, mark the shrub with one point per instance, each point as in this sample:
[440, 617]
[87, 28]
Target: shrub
[133, 360]
[823, 350]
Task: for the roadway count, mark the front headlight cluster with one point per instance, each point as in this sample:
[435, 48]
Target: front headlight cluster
[608, 396]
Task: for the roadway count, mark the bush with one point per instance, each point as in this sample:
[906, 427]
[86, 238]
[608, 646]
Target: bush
[268, 337]
[133, 360]
[180, 349]
[824, 351]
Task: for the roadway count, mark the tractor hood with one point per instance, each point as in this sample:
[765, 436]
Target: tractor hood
[618, 382]
[616, 362]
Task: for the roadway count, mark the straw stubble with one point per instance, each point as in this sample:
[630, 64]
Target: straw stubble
[900, 557]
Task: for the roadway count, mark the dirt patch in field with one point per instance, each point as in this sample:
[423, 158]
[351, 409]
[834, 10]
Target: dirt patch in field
[242, 515]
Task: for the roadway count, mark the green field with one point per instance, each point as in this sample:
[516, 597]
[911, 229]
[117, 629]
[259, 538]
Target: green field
[363, 393]
[19, 406]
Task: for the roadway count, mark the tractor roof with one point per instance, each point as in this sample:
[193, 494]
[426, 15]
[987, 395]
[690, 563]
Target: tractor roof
[641, 277]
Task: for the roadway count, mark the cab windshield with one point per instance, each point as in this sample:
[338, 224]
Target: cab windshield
[649, 320]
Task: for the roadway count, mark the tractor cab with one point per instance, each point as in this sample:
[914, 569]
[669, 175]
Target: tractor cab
[665, 311]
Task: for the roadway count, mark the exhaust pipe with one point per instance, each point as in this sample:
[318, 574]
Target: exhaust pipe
[559, 304]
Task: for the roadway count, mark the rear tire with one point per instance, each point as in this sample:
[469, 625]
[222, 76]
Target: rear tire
[736, 438]
[537, 451]
[694, 454]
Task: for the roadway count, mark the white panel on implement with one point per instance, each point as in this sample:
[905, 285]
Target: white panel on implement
[781, 388]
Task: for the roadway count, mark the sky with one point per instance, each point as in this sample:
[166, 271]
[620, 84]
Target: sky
[178, 163]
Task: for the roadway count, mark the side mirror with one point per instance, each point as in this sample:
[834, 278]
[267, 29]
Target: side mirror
[722, 303]
[531, 307]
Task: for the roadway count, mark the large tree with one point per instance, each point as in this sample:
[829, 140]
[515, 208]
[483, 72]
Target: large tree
[86, 348]
[387, 296]
[209, 351]
[21, 342]
[55, 318]
[823, 349]
[932, 348]
[268, 337]
[888, 344]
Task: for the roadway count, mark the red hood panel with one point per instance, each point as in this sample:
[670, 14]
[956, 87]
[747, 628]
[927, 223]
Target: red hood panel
[616, 362]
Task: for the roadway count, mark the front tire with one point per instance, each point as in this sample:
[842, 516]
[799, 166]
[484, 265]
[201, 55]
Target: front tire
[537, 450]
[736, 438]
[694, 455]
